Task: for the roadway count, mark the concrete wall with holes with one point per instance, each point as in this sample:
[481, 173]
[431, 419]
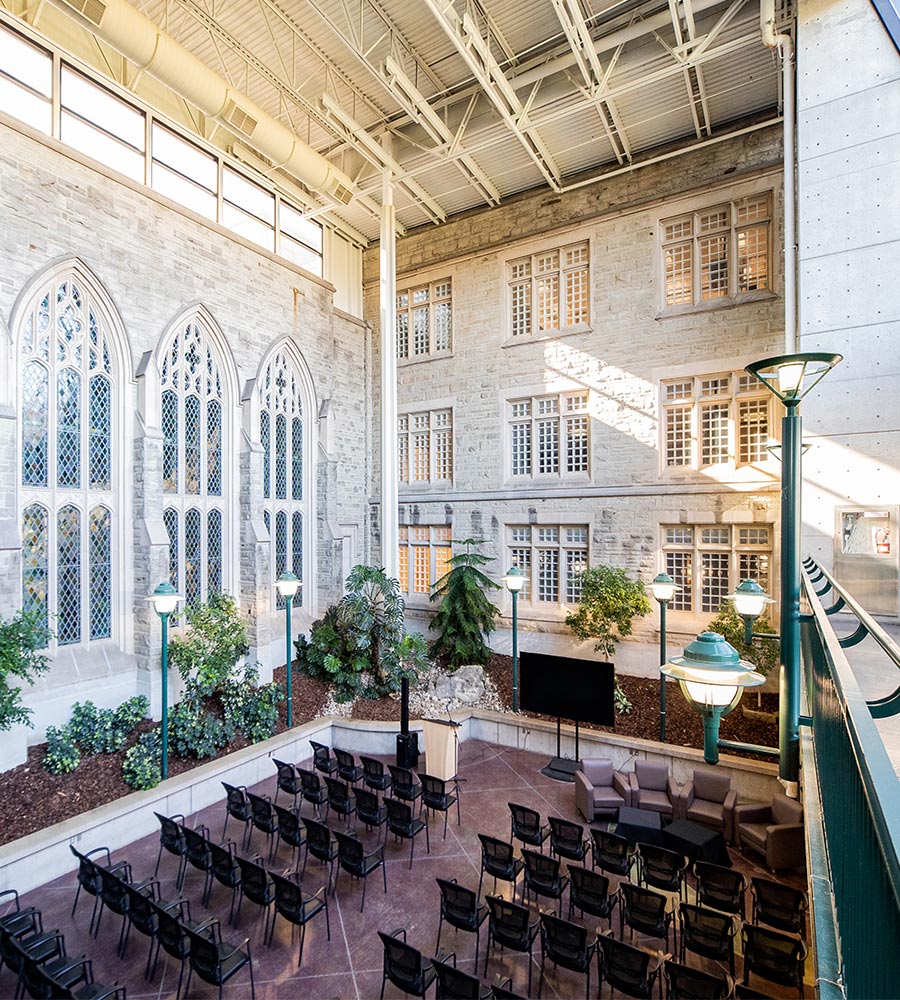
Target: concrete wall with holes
[848, 95]
[152, 261]
[631, 343]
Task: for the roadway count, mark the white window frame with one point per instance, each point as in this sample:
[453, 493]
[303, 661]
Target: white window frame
[431, 295]
[435, 423]
[436, 540]
[685, 231]
[570, 537]
[571, 405]
[523, 278]
[689, 398]
[738, 540]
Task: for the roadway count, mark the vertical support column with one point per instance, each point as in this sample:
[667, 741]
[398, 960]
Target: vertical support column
[789, 680]
[388, 301]
[662, 678]
[786, 48]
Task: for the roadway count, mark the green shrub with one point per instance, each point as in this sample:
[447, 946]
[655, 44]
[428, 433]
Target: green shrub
[142, 768]
[215, 640]
[94, 729]
[21, 640]
[195, 732]
[359, 646]
[621, 700]
[465, 617]
[250, 708]
[62, 754]
[131, 713]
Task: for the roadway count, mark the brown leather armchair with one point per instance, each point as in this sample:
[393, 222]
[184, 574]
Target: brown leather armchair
[600, 789]
[709, 799]
[653, 788]
[774, 830]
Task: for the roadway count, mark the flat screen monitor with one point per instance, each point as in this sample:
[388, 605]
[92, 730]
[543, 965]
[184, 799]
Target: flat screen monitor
[567, 687]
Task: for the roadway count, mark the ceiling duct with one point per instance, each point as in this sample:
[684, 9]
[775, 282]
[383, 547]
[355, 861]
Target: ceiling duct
[137, 38]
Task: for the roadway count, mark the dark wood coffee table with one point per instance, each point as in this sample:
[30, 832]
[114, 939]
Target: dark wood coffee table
[639, 826]
[698, 842]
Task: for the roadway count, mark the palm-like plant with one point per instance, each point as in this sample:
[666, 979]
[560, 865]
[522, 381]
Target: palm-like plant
[466, 616]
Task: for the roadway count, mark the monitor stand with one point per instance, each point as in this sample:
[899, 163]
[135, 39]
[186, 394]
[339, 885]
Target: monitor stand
[562, 768]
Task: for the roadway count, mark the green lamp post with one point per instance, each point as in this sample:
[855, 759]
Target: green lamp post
[165, 600]
[712, 677]
[663, 589]
[287, 586]
[515, 581]
[790, 377]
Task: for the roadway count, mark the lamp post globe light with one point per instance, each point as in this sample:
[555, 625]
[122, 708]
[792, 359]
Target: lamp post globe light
[515, 581]
[165, 600]
[712, 677]
[790, 377]
[287, 586]
[663, 589]
[749, 601]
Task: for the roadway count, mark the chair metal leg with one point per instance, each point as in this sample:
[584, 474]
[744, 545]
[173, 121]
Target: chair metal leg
[412, 847]
[362, 905]
[437, 945]
[302, 941]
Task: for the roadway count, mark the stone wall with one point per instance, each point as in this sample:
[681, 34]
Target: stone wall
[155, 260]
[630, 345]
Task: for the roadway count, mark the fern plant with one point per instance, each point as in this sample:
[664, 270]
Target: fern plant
[465, 617]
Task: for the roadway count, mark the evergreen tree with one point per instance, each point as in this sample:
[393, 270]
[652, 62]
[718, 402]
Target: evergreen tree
[465, 617]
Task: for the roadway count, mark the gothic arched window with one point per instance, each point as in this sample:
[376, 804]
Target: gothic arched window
[193, 461]
[281, 436]
[67, 491]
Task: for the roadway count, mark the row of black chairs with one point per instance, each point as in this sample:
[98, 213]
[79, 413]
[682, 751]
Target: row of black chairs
[38, 958]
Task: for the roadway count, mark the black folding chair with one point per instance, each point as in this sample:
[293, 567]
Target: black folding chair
[89, 876]
[403, 825]
[297, 907]
[288, 779]
[404, 785]
[199, 856]
[341, 799]
[543, 877]
[566, 944]
[370, 811]
[264, 819]
[404, 965]
[720, 888]
[510, 925]
[313, 792]
[290, 829]
[216, 961]
[662, 868]
[459, 907]
[237, 806]
[611, 853]
[256, 885]
[359, 864]
[322, 845]
[454, 984]
[567, 839]
[525, 826]
[347, 768]
[589, 891]
[226, 871]
[171, 839]
[322, 759]
[499, 861]
[375, 776]
[437, 798]
[172, 929]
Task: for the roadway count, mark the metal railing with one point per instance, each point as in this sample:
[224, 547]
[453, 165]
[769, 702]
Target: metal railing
[855, 850]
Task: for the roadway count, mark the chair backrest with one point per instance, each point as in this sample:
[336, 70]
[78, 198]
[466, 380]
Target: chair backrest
[223, 864]
[170, 834]
[705, 929]
[88, 877]
[565, 833]
[287, 775]
[113, 891]
[459, 905]
[288, 896]
[309, 782]
[204, 955]
[403, 780]
[140, 912]
[687, 983]
[785, 810]
[403, 964]
[496, 855]
[261, 807]
[289, 825]
[642, 905]
[236, 801]
[525, 820]
[625, 967]
[196, 848]
[588, 884]
[598, 771]
[563, 939]
[773, 955]
[654, 777]
[711, 786]
[373, 768]
[453, 982]
[366, 804]
[170, 932]
[722, 888]
[321, 755]
[344, 759]
[660, 861]
[338, 794]
[610, 847]
[319, 839]
[509, 922]
[255, 881]
[540, 867]
[399, 816]
[777, 904]
[433, 789]
[350, 851]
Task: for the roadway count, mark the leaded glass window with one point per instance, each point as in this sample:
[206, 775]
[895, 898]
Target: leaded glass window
[553, 559]
[66, 474]
[194, 468]
[281, 437]
[549, 436]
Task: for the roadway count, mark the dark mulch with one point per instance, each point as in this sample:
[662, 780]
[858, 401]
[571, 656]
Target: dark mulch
[31, 799]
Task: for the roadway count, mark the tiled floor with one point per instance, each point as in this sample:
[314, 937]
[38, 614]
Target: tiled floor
[349, 965]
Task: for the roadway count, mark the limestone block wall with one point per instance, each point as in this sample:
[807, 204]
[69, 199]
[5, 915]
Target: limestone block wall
[155, 260]
[631, 343]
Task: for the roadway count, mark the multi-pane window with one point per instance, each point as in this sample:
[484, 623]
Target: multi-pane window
[26, 74]
[194, 448]
[424, 557]
[715, 420]
[553, 558]
[281, 437]
[67, 475]
[718, 253]
[300, 239]
[183, 172]
[425, 320]
[425, 446]
[708, 561]
[549, 291]
[549, 435]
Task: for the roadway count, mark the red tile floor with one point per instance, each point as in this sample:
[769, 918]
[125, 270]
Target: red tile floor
[349, 966]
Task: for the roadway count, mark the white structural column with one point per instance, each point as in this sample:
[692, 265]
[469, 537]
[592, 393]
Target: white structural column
[786, 47]
[388, 301]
